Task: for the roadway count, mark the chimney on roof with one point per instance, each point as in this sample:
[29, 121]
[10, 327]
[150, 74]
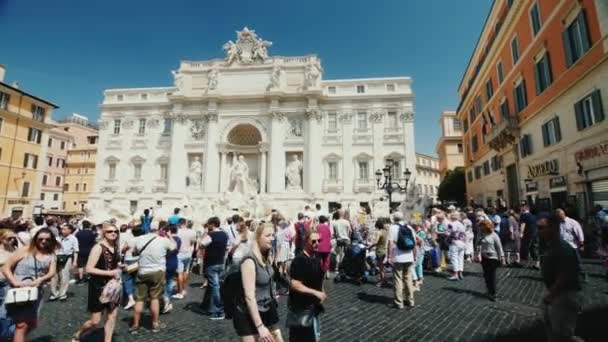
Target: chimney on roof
[2, 72]
[15, 84]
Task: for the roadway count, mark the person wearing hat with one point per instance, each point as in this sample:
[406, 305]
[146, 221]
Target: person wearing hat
[402, 261]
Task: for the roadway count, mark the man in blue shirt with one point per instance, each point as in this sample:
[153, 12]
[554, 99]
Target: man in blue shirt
[174, 219]
[146, 221]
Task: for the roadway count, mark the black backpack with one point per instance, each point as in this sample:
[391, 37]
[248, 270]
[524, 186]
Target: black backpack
[405, 239]
[232, 293]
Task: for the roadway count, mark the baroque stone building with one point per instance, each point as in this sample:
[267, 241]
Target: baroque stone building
[251, 132]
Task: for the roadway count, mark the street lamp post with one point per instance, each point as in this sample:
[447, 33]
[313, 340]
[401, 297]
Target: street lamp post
[388, 185]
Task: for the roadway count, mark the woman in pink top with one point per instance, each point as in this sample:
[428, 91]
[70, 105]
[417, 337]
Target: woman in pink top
[324, 249]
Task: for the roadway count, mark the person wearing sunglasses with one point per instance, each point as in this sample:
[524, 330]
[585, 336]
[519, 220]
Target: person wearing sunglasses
[307, 294]
[33, 266]
[103, 265]
[560, 271]
[8, 245]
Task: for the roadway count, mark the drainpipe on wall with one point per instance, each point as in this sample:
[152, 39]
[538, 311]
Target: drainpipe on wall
[10, 164]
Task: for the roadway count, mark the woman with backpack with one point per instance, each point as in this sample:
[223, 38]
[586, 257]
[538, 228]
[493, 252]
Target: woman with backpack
[30, 266]
[256, 317]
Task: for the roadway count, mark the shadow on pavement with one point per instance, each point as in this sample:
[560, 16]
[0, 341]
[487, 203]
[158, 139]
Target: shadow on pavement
[467, 291]
[590, 327]
[529, 277]
[374, 299]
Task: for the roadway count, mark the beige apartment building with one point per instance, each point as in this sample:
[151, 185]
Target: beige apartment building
[427, 175]
[25, 122]
[449, 147]
[80, 162]
[51, 194]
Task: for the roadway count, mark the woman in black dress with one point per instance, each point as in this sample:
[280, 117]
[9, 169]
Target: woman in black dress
[102, 266]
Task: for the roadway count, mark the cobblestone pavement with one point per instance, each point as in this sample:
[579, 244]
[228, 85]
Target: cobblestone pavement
[445, 311]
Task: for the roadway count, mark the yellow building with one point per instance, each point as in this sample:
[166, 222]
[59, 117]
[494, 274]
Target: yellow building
[80, 168]
[25, 121]
[449, 147]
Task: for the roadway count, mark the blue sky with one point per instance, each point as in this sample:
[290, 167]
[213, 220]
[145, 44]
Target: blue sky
[69, 51]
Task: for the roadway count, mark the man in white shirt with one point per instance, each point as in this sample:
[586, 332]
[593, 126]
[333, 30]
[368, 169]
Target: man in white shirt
[570, 230]
[320, 211]
[66, 260]
[150, 282]
[184, 257]
[232, 231]
[402, 262]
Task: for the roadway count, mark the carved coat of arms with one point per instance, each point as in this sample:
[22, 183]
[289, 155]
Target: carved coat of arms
[247, 49]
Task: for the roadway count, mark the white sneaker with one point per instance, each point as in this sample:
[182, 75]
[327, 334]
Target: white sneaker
[167, 308]
[178, 296]
[72, 281]
[129, 305]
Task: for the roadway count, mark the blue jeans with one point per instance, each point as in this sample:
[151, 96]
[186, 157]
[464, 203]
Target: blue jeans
[128, 279]
[418, 268]
[215, 273]
[7, 326]
[169, 283]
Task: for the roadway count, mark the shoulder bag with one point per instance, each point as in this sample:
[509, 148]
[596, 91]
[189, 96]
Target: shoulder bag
[23, 295]
[135, 266]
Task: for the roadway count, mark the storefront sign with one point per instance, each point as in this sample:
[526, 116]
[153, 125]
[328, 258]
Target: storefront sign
[550, 167]
[532, 187]
[19, 201]
[557, 182]
[592, 152]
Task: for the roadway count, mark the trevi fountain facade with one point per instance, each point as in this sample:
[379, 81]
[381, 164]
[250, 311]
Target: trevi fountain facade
[251, 132]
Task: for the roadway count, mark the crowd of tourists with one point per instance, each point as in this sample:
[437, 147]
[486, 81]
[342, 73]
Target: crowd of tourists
[248, 263]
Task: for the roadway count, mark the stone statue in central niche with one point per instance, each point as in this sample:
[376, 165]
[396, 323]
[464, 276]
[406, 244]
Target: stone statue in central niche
[292, 173]
[239, 177]
[196, 173]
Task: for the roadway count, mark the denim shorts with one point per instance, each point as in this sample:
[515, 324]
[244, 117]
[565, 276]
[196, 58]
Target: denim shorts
[183, 263]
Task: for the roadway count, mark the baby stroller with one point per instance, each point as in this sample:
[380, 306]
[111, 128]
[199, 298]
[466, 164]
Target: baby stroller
[354, 265]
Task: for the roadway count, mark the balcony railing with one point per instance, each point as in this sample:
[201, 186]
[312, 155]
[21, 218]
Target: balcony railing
[504, 134]
[332, 185]
[364, 185]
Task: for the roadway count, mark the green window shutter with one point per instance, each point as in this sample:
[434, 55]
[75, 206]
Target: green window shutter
[567, 47]
[578, 111]
[545, 129]
[582, 23]
[558, 129]
[598, 110]
[537, 77]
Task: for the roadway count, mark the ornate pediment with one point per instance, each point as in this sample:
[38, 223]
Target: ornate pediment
[248, 48]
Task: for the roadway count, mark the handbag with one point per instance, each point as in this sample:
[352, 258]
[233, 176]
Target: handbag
[135, 266]
[23, 295]
[300, 319]
[62, 260]
[111, 292]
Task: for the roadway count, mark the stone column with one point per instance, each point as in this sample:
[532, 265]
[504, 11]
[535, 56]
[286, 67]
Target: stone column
[349, 174]
[277, 153]
[312, 155]
[212, 167]
[178, 166]
[223, 171]
[378, 145]
[410, 153]
[263, 171]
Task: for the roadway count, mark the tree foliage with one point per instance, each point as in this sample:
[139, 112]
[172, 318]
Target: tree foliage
[453, 188]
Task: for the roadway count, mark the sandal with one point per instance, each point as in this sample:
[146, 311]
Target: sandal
[134, 330]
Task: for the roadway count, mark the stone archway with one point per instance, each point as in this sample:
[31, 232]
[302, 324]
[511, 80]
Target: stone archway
[244, 144]
[244, 135]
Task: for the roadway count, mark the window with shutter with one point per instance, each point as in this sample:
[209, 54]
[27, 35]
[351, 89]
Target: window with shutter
[25, 191]
[576, 39]
[589, 110]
